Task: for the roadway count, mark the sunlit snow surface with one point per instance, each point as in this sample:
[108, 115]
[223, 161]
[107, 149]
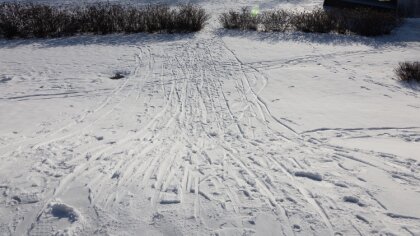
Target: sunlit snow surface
[218, 132]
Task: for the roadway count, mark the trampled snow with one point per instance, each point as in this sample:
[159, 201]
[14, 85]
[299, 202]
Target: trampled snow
[213, 133]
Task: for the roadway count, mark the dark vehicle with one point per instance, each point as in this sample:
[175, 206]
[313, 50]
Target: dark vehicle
[384, 4]
[407, 8]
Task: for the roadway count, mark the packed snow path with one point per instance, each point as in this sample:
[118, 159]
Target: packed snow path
[187, 144]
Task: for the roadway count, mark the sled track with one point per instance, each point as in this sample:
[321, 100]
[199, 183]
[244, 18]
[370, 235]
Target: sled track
[192, 152]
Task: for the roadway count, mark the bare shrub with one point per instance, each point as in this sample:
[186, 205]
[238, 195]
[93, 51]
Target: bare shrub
[279, 20]
[243, 19]
[102, 18]
[190, 18]
[316, 21]
[30, 20]
[10, 25]
[408, 71]
[157, 18]
[363, 21]
[230, 20]
[19, 20]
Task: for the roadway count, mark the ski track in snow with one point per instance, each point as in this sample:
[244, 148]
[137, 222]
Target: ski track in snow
[186, 144]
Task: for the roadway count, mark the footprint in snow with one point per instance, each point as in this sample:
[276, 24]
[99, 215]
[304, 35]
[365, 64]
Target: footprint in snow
[309, 175]
[340, 184]
[57, 219]
[363, 219]
[5, 79]
[116, 175]
[63, 211]
[118, 75]
[354, 200]
[351, 199]
[26, 198]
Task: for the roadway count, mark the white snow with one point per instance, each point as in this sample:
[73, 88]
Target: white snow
[214, 133]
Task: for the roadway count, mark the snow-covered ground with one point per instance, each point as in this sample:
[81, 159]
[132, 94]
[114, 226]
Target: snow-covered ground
[214, 133]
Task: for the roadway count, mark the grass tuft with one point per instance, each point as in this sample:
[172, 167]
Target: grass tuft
[408, 71]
